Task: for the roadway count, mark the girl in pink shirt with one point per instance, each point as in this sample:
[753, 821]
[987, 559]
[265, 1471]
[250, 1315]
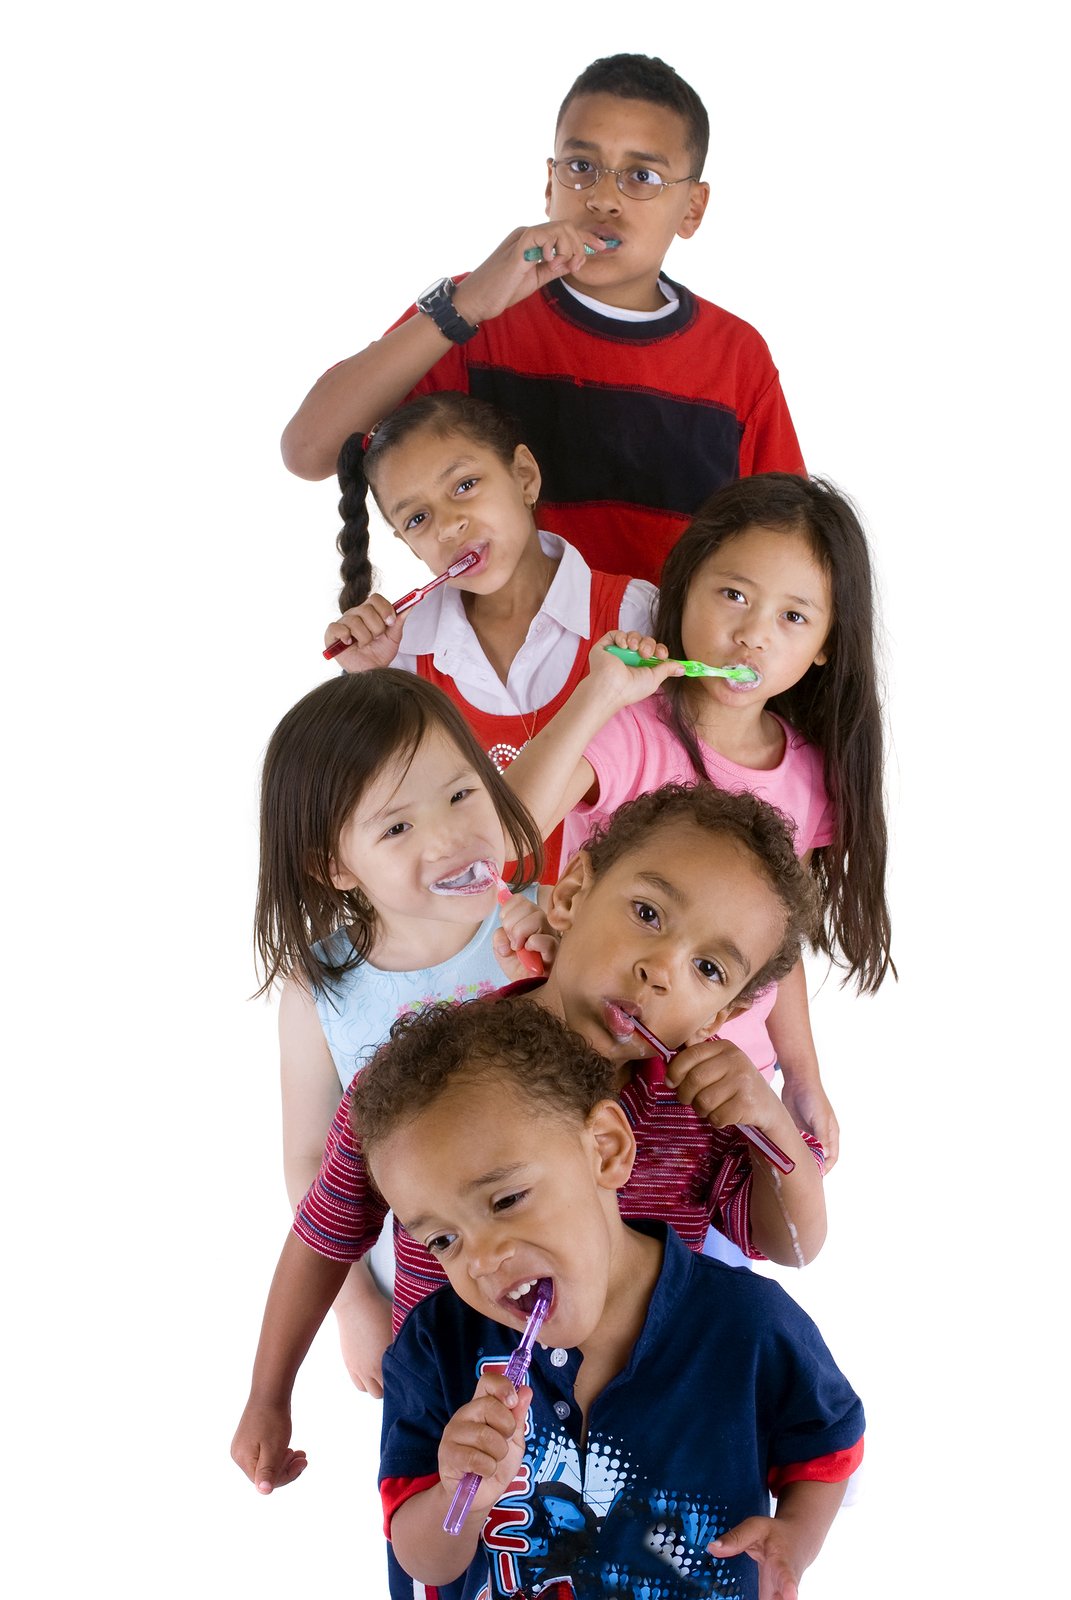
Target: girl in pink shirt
[773, 574]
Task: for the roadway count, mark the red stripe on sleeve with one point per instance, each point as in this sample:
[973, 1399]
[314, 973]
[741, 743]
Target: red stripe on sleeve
[394, 1492]
[823, 1469]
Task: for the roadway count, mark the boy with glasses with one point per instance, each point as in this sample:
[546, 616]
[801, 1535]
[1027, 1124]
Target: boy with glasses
[637, 398]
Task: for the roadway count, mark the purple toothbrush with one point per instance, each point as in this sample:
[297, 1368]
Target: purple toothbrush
[755, 1136]
[516, 1371]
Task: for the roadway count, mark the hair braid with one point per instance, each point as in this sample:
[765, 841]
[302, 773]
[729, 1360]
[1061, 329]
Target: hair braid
[352, 541]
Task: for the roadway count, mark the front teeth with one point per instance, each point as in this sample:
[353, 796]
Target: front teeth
[521, 1289]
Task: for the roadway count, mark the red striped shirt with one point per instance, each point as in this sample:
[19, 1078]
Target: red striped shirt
[686, 1173]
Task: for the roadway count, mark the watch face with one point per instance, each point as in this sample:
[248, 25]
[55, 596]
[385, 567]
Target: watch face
[436, 293]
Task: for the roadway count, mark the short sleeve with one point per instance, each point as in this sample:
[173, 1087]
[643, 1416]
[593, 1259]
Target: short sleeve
[342, 1215]
[818, 1412]
[769, 442]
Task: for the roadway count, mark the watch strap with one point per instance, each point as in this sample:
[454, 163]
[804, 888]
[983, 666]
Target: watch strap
[437, 303]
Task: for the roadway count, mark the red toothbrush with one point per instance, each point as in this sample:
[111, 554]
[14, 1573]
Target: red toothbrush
[464, 563]
[755, 1136]
[529, 959]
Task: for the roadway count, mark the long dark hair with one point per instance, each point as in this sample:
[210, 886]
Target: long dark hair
[836, 706]
[319, 761]
[445, 413]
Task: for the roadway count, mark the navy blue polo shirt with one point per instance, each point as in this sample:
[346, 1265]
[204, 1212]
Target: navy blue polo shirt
[728, 1379]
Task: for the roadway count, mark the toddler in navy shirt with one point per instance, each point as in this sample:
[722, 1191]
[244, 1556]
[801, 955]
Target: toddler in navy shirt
[669, 1395]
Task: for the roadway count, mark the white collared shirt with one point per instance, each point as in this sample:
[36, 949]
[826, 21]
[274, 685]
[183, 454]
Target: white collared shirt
[439, 627]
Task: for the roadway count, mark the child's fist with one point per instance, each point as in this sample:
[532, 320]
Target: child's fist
[372, 632]
[525, 946]
[624, 685]
[486, 1437]
[723, 1086]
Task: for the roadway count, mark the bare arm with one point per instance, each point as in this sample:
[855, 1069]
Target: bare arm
[302, 1290]
[310, 1089]
[789, 1026]
[487, 1437]
[787, 1210]
[551, 775]
[785, 1545]
[353, 396]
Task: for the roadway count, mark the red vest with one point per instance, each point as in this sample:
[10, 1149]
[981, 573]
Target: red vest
[504, 737]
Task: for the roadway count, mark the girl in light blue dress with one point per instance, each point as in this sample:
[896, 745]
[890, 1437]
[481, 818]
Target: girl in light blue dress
[384, 828]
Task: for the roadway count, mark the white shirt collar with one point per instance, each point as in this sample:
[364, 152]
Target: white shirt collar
[672, 299]
[439, 622]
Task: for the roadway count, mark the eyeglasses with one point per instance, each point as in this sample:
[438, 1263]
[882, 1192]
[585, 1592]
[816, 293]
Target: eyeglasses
[638, 183]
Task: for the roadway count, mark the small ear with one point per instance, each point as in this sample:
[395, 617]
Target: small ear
[615, 1144]
[550, 186]
[697, 205]
[569, 891]
[340, 877]
[527, 473]
[821, 658]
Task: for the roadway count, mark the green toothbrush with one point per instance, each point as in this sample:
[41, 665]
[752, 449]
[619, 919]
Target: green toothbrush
[692, 669]
[535, 253]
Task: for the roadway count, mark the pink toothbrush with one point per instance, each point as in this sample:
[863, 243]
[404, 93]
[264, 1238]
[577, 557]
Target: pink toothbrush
[516, 1372]
[755, 1136]
[463, 564]
[531, 960]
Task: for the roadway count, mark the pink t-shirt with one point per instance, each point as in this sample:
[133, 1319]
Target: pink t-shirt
[636, 752]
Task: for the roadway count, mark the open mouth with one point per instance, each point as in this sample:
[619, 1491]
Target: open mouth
[752, 683]
[481, 551]
[477, 877]
[620, 1020]
[522, 1297]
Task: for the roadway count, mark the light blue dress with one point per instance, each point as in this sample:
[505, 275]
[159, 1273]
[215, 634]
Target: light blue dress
[356, 1012]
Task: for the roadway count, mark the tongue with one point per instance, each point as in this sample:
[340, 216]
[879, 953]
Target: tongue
[527, 1301]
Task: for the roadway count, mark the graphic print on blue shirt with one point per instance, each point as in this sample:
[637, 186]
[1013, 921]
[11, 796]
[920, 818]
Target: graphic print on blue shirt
[728, 1379]
[601, 1523]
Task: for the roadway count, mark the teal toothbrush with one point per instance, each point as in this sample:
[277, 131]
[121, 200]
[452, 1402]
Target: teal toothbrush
[692, 669]
[535, 251]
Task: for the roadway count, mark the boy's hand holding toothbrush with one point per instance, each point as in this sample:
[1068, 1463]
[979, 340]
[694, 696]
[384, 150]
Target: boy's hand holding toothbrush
[524, 927]
[512, 271]
[723, 1087]
[788, 1212]
[372, 633]
[486, 1437]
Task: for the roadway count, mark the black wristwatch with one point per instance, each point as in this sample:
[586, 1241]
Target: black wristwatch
[437, 302]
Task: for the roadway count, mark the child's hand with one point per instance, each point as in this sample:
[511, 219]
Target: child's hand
[374, 633]
[261, 1447]
[524, 927]
[621, 685]
[764, 1539]
[364, 1332]
[506, 277]
[809, 1108]
[723, 1087]
[486, 1436]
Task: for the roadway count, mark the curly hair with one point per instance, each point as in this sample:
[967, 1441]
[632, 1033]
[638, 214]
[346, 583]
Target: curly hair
[759, 828]
[485, 1040]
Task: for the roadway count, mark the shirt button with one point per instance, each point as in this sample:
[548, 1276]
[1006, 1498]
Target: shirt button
[561, 1409]
[559, 1357]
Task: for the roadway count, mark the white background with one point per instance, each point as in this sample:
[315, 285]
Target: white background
[209, 204]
